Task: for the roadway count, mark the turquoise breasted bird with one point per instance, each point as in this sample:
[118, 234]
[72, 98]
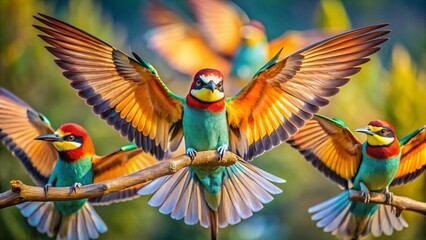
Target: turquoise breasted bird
[378, 163]
[65, 157]
[223, 34]
[129, 95]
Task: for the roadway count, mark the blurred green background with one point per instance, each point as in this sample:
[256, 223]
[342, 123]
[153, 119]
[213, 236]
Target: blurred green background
[389, 87]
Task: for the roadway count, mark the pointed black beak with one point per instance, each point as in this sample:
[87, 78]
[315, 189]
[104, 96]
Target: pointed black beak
[364, 130]
[211, 85]
[50, 138]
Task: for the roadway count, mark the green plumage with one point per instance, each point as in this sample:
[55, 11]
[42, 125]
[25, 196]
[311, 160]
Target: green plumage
[65, 174]
[376, 174]
[205, 130]
[249, 59]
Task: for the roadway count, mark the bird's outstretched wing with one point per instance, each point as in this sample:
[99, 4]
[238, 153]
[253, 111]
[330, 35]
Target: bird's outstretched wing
[126, 92]
[331, 148]
[413, 157]
[292, 41]
[221, 22]
[180, 42]
[19, 125]
[127, 159]
[284, 95]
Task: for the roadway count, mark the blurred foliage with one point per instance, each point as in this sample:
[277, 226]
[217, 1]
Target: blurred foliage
[389, 87]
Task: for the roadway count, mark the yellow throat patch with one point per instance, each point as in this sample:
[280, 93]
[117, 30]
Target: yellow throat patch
[206, 95]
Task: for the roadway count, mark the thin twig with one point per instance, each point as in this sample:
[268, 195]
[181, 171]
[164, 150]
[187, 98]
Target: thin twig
[399, 202]
[21, 192]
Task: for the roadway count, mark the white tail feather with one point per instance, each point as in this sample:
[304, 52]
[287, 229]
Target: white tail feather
[244, 190]
[334, 215]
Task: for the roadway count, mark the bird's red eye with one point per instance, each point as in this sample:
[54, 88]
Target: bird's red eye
[219, 85]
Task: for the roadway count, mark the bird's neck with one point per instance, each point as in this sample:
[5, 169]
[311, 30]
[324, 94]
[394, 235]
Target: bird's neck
[75, 155]
[384, 152]
[217, 106]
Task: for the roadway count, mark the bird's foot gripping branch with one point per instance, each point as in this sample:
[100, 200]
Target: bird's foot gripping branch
[399, 202]
[21, 192]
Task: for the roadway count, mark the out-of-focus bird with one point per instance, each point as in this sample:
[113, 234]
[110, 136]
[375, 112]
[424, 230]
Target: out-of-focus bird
[223, 38]
[129, 94]
[66, 157]
[375, 165]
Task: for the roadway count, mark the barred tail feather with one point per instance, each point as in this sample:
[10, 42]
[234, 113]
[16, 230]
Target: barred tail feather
[84, 224]
[243, 191]
[334, 216]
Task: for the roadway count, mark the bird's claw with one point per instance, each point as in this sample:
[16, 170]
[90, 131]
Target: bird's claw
[46, 188]
[365, 193]
[74, 187]
[389, 196]
[366, 197]
[191, 153]
[222, 150]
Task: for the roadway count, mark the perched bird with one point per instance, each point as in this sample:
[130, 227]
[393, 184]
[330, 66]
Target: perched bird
[129, 94]
[65, 157]
[223, 35]
[378, 163]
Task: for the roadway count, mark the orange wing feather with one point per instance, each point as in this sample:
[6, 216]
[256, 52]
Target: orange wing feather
[116, 164]
[19, 125]
[126, 92]
[292, 41]
[413, 158]
[330, 147]
[176, 40]
[221, 22]
[283, 95]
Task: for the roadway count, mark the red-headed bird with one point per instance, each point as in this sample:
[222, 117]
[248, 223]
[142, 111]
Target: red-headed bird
[65, 157]
[224, 38]
[375, 165]
[129, 94]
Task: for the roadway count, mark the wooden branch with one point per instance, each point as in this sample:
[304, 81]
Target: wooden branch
[399, 202]
[23, 193]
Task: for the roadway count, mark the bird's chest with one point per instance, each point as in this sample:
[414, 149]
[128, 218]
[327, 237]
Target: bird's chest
[376, 174]
[205, 130]
[69, 173]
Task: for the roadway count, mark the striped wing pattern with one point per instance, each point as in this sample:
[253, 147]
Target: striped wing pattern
[292, 41]
[330, 147]
[126, 92]
[413, 157]
[124, 161]
[19, 125]
[283, 96]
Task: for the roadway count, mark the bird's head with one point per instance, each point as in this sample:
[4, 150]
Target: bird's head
[71, 141]
[379, 133]
[253, 33]
[207, 86]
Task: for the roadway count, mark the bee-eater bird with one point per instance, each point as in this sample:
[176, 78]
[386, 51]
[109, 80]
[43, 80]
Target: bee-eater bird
[65, 157]
[378, 163]
[223, 34]
[129, 94]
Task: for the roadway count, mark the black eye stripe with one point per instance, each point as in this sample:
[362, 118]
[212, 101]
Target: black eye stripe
[385, 132]
[73, 138]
